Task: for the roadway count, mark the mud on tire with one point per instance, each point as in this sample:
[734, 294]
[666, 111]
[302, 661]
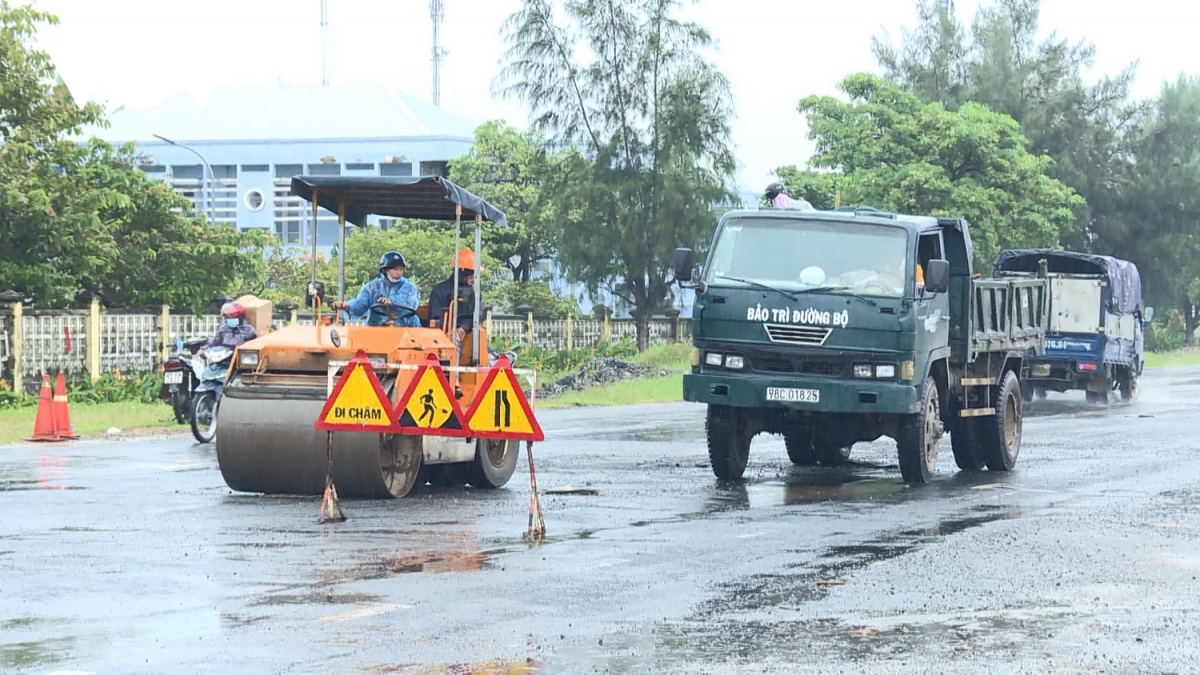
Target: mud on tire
[1000, 435]
[917, 442]
[964, 441]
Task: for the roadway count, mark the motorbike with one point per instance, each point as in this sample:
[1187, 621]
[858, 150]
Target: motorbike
[207, 398]
[181, 375]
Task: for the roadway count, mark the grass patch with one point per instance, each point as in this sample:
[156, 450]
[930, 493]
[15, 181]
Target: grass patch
[1178, 357]
[90, 420]
[675, 357]
[641, 390]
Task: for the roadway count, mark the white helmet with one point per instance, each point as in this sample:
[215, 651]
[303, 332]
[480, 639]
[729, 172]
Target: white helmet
[812, 275]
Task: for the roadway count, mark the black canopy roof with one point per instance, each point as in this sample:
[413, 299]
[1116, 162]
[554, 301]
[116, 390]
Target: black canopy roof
[1123, 277]
[427, 197]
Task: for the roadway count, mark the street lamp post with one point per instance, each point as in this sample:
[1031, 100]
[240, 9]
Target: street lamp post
[205, 194]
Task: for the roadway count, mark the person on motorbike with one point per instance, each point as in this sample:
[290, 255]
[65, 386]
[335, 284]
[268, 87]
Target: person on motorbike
[442, 295]
[389, 289]
[777, 195]
[233, 330]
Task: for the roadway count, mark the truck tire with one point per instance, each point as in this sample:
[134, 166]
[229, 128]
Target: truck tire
[1000, 435]
[1097, 397]
[917, 442]
[964, 441]
[1128, 384]
[728, 441]
[799, 444]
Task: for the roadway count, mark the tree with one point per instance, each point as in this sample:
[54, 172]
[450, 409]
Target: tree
[79, 218]
[516, 172]
[1163, 202]
[897, 153]
[1001, 64]
[625, 84]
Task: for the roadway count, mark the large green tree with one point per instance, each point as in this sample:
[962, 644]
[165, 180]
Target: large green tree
[78, 217]
[1001, 63]
[1162, 201]
[516, 172]
[891, 150]
[626, 84]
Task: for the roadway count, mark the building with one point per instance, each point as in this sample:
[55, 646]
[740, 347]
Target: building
[244, 144]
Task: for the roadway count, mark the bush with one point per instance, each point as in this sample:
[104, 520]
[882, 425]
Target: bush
[565, 360]
[117, 387]
[1169, 336]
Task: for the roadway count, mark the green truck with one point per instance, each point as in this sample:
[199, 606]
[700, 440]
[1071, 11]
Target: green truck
[832, 328]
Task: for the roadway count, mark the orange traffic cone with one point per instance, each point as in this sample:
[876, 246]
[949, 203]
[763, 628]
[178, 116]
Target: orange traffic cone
[43, 425]
[62, 416]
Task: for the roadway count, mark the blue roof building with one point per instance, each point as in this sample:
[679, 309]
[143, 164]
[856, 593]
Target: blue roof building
[247, 142]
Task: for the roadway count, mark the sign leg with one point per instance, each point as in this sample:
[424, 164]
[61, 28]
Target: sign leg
[329, 502]
[537, 525]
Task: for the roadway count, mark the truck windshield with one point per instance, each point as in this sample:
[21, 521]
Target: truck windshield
[794, 255]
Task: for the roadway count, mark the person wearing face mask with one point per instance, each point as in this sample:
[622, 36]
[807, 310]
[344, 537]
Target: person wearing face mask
[389, 288]
[233, 330]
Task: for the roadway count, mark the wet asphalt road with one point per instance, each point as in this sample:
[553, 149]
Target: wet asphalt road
[133, 556]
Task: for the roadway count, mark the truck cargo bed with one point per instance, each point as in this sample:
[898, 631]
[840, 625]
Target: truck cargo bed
[1008, 315]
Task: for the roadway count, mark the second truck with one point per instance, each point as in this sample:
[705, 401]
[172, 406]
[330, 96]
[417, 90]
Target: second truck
[832, 328]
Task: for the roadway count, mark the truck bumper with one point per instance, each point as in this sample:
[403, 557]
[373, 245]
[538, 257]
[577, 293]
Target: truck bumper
[836, 396]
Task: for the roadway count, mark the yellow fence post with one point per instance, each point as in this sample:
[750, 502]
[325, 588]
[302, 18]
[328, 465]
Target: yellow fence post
[94, 339]
[570, 333]
[487, 323]
[164, 333]
[606, 327]
[529, 324]
[18, 343]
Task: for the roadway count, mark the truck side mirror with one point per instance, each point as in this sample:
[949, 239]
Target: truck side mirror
[684, 262]
[937, 276]
[314, 293]
[1148, 315]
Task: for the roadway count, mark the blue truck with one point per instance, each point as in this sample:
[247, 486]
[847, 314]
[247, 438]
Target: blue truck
[1094, 335]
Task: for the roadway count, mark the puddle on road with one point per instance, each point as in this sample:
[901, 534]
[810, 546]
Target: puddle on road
[526, 667]
[25, 655]
[316, 597]
[657, 434]
[19, 484]
[432, 562]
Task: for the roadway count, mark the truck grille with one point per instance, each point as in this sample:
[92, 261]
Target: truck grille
[811, 336]
[820, 366]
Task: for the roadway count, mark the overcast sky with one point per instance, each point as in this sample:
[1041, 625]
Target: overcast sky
[137, 52]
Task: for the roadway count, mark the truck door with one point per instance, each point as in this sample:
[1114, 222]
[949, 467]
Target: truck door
[932, 311]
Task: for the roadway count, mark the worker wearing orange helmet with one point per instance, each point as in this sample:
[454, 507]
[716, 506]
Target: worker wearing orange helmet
[442, 296]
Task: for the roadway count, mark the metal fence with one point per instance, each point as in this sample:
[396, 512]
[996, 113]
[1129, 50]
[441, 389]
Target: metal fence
[33, 343]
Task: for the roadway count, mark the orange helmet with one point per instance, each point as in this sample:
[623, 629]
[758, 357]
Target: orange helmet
[464, 259]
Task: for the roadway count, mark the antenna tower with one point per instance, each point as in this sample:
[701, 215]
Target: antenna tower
[324, 42]
[437, 12]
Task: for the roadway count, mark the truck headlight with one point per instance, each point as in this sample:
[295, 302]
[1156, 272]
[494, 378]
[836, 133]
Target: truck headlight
[248, 359]
[885, 371]
[863, 370]
[736, 362]
[713, 359]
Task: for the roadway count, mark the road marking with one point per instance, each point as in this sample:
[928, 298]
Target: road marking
[365, 611]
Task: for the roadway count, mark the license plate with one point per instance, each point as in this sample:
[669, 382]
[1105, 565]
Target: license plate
[793, 395]
[173, 377]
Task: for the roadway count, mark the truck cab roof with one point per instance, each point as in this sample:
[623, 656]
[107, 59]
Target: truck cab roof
[857, 214]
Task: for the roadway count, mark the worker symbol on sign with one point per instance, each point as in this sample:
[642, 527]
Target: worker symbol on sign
[428, 407]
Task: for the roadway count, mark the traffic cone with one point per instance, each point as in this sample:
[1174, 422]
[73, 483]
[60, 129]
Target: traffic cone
[62, 416]
[43, 424]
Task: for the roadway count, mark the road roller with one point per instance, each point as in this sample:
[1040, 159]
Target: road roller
[278, 383]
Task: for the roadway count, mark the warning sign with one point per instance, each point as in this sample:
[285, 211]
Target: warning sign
[500, 409]
[357, 402]
[428, 407]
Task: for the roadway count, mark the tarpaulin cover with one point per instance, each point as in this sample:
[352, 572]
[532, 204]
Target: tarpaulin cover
[1123, 279]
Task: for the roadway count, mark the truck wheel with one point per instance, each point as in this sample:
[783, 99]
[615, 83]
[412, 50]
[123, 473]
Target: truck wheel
[917, 442]
[1000, 435]
[964, 441]
[1097, 397]
[1128, 385]
[799, 444]
[728, 441]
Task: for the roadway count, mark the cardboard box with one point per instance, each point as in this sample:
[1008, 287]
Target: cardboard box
[258, 313]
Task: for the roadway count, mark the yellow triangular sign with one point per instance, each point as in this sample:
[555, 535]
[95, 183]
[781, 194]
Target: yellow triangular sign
[500, 409]
[357, 402]
[428, 406]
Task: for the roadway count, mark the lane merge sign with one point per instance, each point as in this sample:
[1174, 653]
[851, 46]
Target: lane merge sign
[500, 409]
[358, 403]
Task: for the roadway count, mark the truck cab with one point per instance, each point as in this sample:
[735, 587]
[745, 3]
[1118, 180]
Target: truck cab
[838, 327]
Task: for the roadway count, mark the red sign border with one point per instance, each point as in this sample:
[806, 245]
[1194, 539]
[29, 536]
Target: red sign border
[360, 360]
[431, 361]
[503, 365]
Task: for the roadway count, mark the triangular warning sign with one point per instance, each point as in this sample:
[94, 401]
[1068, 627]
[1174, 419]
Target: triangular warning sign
[428, 407]
[500, 409]
[357, 402]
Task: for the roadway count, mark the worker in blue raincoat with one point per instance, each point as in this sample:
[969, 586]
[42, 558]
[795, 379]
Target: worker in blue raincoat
[391, 289]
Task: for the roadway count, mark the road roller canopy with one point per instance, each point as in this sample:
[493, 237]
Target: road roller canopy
[425, 197]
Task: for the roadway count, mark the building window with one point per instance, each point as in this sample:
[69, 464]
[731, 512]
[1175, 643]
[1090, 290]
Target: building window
[395, 169]
[288, 170]
[153, 168]
[256, 168]
[324, 169]
[288, 232]
[435, 169]
[255, 200]
[360, 167]
[224, 171]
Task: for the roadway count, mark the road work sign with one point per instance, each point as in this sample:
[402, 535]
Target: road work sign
[428, 407]
[500, 409]
[357, 402]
